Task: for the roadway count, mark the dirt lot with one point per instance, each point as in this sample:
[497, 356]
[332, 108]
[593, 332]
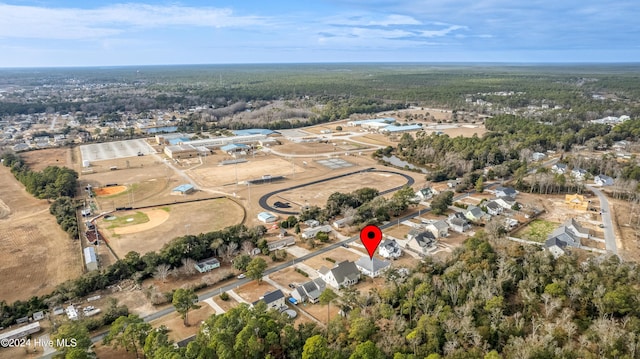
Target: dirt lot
[338, 255]
[213, 175]
[626, 218]
[289, 275]
[37, 254]
[253, 290]
[317, 194]
[311, 148]
[39, 160]
[167, 223]
[109, 191]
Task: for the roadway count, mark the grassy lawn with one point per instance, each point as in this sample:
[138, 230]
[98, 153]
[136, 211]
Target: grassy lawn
[128, 220]
[538, 230]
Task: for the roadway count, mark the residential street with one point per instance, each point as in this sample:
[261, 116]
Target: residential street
[609, 235]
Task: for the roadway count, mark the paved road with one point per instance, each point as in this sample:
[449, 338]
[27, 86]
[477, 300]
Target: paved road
[264, 199]
[609, 235]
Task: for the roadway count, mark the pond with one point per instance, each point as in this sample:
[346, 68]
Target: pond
[402, 164]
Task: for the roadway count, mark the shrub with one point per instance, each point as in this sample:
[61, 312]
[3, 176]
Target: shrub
[224, 296]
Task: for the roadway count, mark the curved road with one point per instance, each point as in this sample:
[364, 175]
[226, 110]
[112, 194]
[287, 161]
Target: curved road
[264, 199]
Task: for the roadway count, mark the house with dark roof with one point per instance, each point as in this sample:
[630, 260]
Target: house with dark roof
[274, 300]
[559, 168]
[555, 246]
[493, 208]
[342, 275]
[423, 242]
[372, 267]
[458, 223]
[309, 291]
[602, 180]
[568, 234]
[505, 192]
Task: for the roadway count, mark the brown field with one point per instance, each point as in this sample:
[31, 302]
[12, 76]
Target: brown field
[288, 275]
[177, 220]
[214, 175]
[312, 148]
[37, 254]
[317, 194]
[40, 159]
[338, 255]
[625, 219]
[253, 290]
[108, 191]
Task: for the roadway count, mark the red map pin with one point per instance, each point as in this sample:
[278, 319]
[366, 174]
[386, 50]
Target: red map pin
[371, 236]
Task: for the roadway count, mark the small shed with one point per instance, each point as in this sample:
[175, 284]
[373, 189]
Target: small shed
[266, 217]
[184, 189]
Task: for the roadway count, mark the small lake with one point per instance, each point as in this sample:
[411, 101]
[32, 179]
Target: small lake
[400, 163]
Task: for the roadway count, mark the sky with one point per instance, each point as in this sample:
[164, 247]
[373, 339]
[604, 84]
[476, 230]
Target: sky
[39, 33]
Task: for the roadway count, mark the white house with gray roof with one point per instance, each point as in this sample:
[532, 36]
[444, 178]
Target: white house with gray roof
[342, 275]
[372, 267]
[309, 291]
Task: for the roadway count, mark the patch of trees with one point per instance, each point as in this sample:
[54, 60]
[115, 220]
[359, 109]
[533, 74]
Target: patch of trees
[64, 209]
[51, 183]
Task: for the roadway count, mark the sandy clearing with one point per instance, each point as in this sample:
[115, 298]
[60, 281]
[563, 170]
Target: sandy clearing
[108, 191]
[156, 218]
[5, 210]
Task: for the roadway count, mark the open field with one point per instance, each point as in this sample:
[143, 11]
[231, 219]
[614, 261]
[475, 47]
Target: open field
[317, 194]
[312, 148]
[538, 230]
[167, 223]
[37, 253]
[39, 160]
[212, 175]
[253, 290]
[338, 255]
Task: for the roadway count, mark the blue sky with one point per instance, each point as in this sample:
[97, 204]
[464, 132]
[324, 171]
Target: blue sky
[106, 33]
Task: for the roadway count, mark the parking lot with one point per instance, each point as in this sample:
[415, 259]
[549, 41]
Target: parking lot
[113, 150]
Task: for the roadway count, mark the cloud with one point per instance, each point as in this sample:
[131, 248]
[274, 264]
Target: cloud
[75, 23]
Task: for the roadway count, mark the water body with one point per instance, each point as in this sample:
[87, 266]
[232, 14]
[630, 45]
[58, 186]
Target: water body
[393, 160]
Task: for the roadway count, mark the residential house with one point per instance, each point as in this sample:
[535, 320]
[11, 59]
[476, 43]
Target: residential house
[389, 248]
[458, 223]
[274, 300]
[555, 246]
[453, 183]
[311, 223]
[559, 168]
[309, 291]
[207, 265]
[568, 234]
[281, 243]
[312, 232]
[505, 202]
[493, 208]
[602, 180]
[343, 222]
[578, 173]
[576, 201]
[474, 214]
[426, 193]
[506, 192]
[343, 274]
[440, 229]
[510, 223]
[422, 242]
[372, 267]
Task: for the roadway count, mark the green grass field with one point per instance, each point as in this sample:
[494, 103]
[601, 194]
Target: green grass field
[538, 230]
[129, 220]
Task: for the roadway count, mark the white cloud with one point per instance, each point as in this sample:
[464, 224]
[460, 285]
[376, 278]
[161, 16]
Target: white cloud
[76, 23]
[442, 32]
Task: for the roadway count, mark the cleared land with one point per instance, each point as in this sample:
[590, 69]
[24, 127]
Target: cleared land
[39, 160]
[538, 230]
[37, 254]
[255, 168]
[164, 224]
[317, 194]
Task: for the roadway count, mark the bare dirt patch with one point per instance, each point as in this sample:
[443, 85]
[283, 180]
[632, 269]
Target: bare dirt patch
[253, 290]
[183, 218]
[287, 276]
[317, 194]
[338, 255]
[213, 175]
[38, 255]
[108, 191]
[41, 159]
